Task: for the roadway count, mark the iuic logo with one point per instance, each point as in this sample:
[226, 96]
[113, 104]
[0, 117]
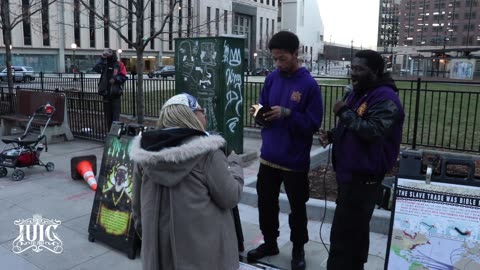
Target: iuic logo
[37, 233]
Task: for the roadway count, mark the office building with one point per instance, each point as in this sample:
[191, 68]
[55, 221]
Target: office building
[66, 35]
[430, 37]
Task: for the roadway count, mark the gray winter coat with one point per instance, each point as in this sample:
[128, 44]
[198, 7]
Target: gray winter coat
[184, 196]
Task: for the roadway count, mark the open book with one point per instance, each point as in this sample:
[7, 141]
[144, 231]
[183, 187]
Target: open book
[258, 114]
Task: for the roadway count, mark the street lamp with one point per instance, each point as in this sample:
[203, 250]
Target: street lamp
[343, 62]
[74, 47]
[119, 51]
[255, 61]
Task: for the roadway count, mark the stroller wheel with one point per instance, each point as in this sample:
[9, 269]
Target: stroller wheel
[3, 172]
[50, 166]
[18, 175]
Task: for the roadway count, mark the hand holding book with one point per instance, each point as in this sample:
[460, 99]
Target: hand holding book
[258, 114]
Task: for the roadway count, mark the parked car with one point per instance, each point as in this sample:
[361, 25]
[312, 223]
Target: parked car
[167, 71]
[19, 73]
[263, 71]
[155, 72]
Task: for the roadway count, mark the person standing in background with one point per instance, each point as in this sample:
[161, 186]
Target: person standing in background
[295, 113]
[110, 87]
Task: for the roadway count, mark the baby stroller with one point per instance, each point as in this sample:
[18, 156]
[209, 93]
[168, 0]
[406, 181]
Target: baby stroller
[25, 150]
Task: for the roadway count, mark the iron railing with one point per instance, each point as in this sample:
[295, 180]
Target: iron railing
[439, 114]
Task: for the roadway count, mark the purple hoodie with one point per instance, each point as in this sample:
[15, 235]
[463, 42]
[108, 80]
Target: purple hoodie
[287, 142]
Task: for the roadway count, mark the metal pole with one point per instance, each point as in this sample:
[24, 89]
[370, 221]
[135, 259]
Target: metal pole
[134, 100]
[75, 66]
[351, 51]
[415, 119]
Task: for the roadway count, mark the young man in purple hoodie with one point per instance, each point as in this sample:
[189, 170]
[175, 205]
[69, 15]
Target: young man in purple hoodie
[366, 144]
[296, 114]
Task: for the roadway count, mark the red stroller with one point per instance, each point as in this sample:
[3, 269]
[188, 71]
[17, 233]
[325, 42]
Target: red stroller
[25, 150]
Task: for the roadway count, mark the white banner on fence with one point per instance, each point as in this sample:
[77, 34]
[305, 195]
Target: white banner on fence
[462, 69]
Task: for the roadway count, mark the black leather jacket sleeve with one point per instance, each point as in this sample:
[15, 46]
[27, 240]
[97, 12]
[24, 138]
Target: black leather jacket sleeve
[377, 122]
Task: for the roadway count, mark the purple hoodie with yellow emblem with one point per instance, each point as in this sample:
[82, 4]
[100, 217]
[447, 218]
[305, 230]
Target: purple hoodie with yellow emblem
[287, 142]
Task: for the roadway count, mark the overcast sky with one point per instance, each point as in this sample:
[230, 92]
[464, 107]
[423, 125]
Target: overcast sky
[346, 20]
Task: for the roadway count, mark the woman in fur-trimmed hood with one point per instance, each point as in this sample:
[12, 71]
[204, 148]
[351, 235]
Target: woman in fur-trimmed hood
[184, 190]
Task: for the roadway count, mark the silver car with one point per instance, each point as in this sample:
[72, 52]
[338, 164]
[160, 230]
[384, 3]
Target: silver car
[19, 73]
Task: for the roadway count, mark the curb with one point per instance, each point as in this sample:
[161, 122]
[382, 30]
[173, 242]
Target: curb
[318, 209]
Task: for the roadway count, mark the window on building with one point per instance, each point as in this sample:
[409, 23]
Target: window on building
[27, 30]
[241, 25]
[470, 15]
[302, 12]
[217, 21]
[130, 23]
[273, 27]
[209, 18]
[472, 3]
[469, 27]
[106, 29]
[261, 33]
[76, 22]
[189, 18]
[170, 30]
[268, 2]
[467, 40]
[91, 23]
[45, 24]
[152, 24]
[266, 29]
[273, 2]
[180, 19]
[225, 22]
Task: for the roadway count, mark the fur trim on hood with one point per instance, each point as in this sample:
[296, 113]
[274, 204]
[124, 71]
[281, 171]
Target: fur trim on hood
[186, 150]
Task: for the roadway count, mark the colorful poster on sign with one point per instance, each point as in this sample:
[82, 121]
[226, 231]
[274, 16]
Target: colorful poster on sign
[115, 206]
[435, 226]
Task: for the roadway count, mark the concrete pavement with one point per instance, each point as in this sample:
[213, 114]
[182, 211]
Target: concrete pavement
[55, 195]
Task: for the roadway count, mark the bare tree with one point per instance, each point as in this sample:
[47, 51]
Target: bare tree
[11, 15]
[134, 13]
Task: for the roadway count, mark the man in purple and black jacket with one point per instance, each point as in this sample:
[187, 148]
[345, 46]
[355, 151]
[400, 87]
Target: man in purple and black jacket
[296, 114]
[366, 144]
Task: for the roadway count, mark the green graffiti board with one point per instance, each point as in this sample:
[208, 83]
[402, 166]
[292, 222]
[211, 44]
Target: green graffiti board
[211, 69]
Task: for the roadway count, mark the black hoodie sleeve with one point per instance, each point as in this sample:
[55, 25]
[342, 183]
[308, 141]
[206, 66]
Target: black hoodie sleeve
[376, 123]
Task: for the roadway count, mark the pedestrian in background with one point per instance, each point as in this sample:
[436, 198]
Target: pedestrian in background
[110, 87]
[295, 102]
[184, 190]
[366, 145]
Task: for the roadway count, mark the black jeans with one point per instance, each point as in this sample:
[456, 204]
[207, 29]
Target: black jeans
[349, 236]
[111, 110]
[268, 189]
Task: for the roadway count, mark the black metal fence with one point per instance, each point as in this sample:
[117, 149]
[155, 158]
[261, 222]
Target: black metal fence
[439, 114]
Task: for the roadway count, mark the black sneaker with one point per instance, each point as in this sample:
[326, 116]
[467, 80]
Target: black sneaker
[298, 259]
[262, 251]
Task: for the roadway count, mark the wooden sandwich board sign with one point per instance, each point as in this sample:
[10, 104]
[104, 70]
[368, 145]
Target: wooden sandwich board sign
[111, 220]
